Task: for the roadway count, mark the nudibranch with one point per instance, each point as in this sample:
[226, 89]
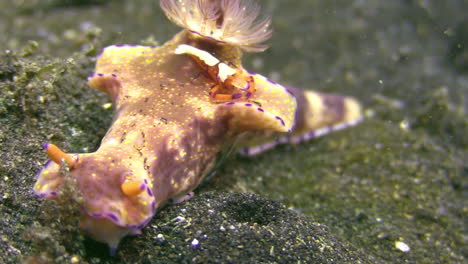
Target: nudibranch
[176, 107]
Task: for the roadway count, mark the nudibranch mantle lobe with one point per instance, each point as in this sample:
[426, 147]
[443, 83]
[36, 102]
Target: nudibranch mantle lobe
[165, 134]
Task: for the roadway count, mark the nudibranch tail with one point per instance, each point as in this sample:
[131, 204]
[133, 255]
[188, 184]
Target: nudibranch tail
[317, 114]
[57, 155]
[232, 22]
[321, 110]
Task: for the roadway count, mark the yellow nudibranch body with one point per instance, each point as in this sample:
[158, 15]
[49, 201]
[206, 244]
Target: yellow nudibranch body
[176, 107]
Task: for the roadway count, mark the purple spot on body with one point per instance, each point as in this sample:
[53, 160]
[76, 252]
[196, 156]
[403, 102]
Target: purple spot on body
[53, 193]
[236, 96]
[113, 217]
[148, 190]
[142, 186]
[97, 215]
[260, 109]
[100, 74]
[281, 120]
[145, 181]
[114, 75]
[248, 105]
[45, 145]
[42, 195]
[230, 103]
[47, 163]
[248, 94]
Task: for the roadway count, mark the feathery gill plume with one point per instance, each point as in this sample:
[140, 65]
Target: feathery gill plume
[233, 22]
